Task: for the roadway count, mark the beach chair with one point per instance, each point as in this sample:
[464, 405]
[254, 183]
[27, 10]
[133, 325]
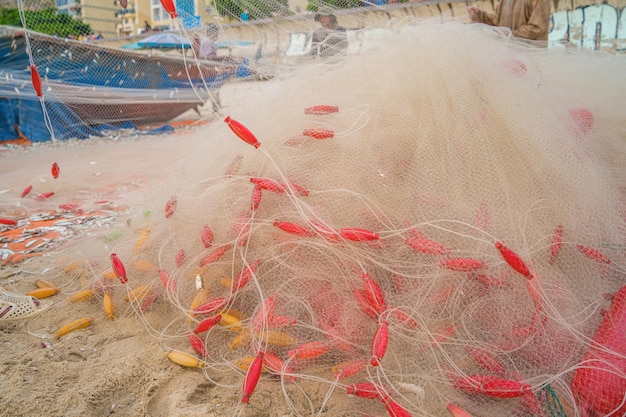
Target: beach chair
[299, 44]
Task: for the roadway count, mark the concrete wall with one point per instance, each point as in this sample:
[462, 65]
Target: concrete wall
[272, 36]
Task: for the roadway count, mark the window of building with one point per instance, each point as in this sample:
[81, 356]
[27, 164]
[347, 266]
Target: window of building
[158, 12]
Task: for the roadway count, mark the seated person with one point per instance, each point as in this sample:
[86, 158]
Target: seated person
[331, 38]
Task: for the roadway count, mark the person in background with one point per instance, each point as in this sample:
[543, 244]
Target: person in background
[331, 38]
[208, 50]
[146, 26]
[528, 19]
[195, 46]
[207, 45]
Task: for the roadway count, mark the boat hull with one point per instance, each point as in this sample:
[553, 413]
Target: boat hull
[95, 88]
[140, 114]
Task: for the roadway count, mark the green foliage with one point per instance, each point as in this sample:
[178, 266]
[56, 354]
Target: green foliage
[9, 17]
[46, 21]
[313, 5]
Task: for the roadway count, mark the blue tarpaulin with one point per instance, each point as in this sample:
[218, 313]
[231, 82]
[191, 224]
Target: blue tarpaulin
[8, 118]
[66, 124]
[26, 115]
[165, 40]
[107, 72]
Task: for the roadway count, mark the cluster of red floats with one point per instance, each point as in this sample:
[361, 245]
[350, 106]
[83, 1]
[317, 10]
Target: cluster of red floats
[598, 388]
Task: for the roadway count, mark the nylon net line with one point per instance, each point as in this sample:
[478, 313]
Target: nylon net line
[432, 226]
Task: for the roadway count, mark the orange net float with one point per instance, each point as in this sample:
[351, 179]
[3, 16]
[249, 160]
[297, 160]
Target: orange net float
[593, 253]
[118, 268]
[55, 170]
[513, 260]
[276, 365]
[380, 342]
[45, 195]
[493, 386]
[243, 132]
[206, 236]
[26, 190]
[583, 118]
[36, 80]
[245, 275]
[198, 345]
[463, 264]
[170, 206]
[321, 109]
[357, 234]
[215, 255]
[557, 241]
[348, 369]
[167, 282]
[8, 222]
[252, 377]
[318, 133]
[599, 383]
[309, 350]
[255, 200]
[367, 390]
[293, 228]
[207, 324]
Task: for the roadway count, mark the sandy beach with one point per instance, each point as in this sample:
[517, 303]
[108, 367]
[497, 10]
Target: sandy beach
[113, 367]
[442, 220]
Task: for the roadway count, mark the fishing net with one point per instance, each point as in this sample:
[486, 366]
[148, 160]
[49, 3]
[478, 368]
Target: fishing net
[431, 225]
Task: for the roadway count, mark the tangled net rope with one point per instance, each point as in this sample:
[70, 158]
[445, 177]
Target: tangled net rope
[420, 237]
[439, 239]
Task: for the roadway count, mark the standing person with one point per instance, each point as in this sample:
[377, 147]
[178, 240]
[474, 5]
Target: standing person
[331, 38]
[207, 45]
[207, 50]
[528, 19]
[195, 46]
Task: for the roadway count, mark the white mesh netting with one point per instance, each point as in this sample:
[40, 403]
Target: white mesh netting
[435, 225]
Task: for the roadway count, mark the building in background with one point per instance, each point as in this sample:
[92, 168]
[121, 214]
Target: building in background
[111, 19]
[127, 19]
[132, 20]
[192, 13]
[100, 16]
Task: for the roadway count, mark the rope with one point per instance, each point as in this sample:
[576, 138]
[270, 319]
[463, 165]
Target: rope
[552, 402]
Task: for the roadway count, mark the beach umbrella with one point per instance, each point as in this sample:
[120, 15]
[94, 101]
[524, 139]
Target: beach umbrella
[165, 40]
[231, 43]
[132, 46]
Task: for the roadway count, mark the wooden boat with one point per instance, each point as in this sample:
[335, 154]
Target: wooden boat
[90, 87]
